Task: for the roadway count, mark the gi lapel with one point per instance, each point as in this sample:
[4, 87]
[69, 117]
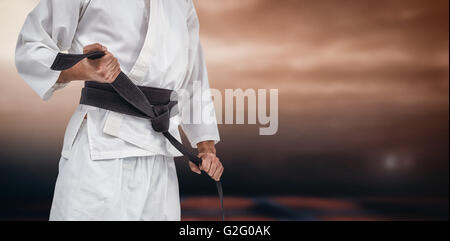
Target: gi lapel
[137, 73]
[142, 64]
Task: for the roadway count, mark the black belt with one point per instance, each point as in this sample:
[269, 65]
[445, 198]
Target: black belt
[123, 96]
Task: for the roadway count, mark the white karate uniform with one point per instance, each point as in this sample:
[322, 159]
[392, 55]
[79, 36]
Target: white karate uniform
[157, 45]
[132, 188]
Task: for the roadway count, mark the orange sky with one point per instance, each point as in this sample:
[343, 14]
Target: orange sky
[356, 77]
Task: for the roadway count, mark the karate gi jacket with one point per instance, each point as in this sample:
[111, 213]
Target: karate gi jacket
[157, 45]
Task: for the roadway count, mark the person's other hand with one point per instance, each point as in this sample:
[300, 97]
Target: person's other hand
[211, 164]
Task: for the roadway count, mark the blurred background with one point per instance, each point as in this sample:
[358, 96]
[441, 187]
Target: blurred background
[363, 118]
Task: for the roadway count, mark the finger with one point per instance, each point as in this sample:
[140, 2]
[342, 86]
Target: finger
[213, 169]
[194, 168]
[218, 173]
[94, 47]
[107, 59]
[201, 155]
[206, 164]
[117, 72]
[104, 61]
[108, 77]
[206, 155]
[112, 70]
[107, 64]
[111, 64]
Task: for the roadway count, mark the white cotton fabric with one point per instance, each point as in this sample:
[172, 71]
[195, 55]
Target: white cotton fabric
[129, 189]
[157, 44]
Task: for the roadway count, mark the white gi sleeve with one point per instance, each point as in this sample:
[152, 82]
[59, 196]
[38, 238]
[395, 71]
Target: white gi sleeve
[198, 129]
[48, 29]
